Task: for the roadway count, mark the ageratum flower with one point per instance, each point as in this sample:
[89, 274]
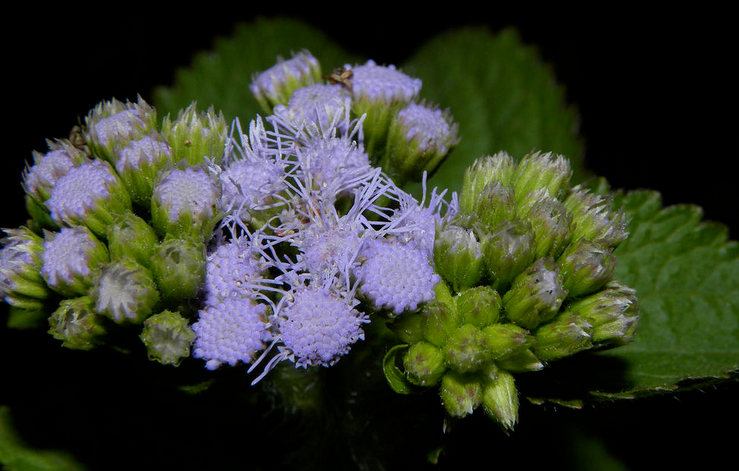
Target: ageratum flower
[276, 85]
[317, 104]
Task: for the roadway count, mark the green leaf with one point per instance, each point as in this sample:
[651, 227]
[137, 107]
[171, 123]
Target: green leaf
[221, 77]
[395, 378]
[15, 455]
[501, 94]
[686, 274]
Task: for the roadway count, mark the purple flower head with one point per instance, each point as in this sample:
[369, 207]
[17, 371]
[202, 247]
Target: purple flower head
[231, 331]
[276, 84]
[250, 185]
[332, 165]
[383, 83]
[316, 105]
[430, 128]
[317, 326]
[91, 190]
[40, 178]
[185, 202]
[119, 126]
[330, 251]
[71, 258]
[145, 152]
[395, 275]
[232, 270]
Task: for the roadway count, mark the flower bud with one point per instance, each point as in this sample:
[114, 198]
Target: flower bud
[613, 312]
[494, 205]
[131, 237]
[196, 136]
[276, 85]
[125, 292]
[458, 257]
[460, 394]
[178, 266]
[483, 171]
[40, 178]
[77, 324]
[566, 335]
[541, 171]
[550, 223]
[379, 92]
[185, 203]
[522, 361]
[91, 194]
[21, 284]
[586, 267]
[168, 337]
[419, 138]
[593, 220]
[138, 164]
[110, 125]
[71, 260]
[440, 320]
[466, 349]
[507, 251]
[536, 294]
[424, 364]
[504, 340]
[500, 399]
[479, 306]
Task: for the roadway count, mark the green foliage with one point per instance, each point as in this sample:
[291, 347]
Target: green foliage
[686, 275]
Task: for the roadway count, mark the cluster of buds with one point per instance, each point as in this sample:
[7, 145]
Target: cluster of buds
[527, 265]
[120, 215]
[402, 133]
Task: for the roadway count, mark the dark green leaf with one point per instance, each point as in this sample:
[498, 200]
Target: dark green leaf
[395, 378]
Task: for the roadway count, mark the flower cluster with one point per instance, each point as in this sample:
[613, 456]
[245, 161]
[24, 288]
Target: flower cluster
[527, 265]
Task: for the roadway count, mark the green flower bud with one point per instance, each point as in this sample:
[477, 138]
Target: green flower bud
[541, 171]
[131, 237]
[479, 306]
[424, 364]
[500, 399]
[125, 292]
[494, 204]
[586, 267]
[613, 312]
[467, 349]
[178, 266]
[276, 85]
[550, 223]
[507, 251]
[564, 336]
[593, 219]
[505, 340]
[440, 320]
[195, 137]
[522, 361]
[460, 394]
[167, 337]
[408, 327]
[77, 324]
[536, 294]
[458, 257]
[111, 125]
[139, 162]
[21, 284]
[484, 170]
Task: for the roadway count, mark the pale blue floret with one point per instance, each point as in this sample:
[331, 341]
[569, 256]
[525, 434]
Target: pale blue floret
[375, 82]
[69, 258]
[428, 127]
[119, 126]
[232, 270]
[249, 185]
[190, 190]
[396, 276]
[40, 178]
[146, 151]
[317, 104]
[231, 331]
[78, 193]
[332, 165]
[317, 326]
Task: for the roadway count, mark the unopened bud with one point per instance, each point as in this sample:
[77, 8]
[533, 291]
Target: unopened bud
[460, 394]
[466, 350]
[178, 266]
[541, 171]
[564, 336]
[125, 292]
[500, 399]
[458, 257]
[168, 337]
[77, 324]
[196, 136]
[586, 267]
[424, 364]
[497, 168]
[505, 340]
[507, 251]
[536, 294]
[613, 312]
[479, 306]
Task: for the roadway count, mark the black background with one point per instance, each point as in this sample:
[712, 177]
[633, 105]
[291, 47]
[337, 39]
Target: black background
[655, 91]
